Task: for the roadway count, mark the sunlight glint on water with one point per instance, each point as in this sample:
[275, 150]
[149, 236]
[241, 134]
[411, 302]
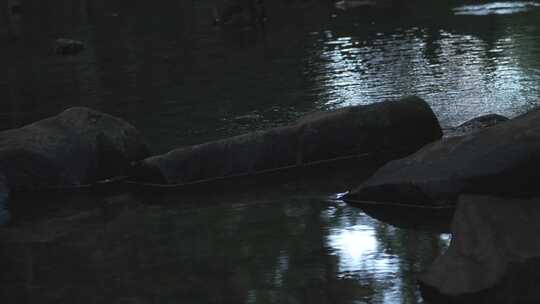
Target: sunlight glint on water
[459, 75]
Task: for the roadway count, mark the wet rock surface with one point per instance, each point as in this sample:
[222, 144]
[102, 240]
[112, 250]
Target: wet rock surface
[494, 255]
[500, 160]
[76, 147]
[478, 123]
[389, 129]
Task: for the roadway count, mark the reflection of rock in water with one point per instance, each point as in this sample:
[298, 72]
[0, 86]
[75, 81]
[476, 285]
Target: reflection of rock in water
[427, 219]
[494, 256]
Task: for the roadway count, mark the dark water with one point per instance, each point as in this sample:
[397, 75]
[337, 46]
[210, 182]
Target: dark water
[180, 80]
[291, 250]
[166, 69]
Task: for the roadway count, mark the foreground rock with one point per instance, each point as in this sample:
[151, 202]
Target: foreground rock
[494, 255]
[390, 129]
[501, 160]
[76, 147]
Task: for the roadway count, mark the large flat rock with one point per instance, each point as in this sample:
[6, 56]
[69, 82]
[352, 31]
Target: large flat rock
[389, 129]
[494, 255]
[78, 146]
[501, 160]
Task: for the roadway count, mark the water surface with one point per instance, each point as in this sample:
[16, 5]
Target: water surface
[180, 80]
[170, 250]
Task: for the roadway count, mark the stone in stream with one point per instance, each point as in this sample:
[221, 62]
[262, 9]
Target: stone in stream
[63, 46]
[78, 146]
[389, 129]
[494, 255]
[500, 160]
[478, 123]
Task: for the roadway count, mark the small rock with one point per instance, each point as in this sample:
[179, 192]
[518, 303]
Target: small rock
[64, 46]
[478, 123]
[247, 119]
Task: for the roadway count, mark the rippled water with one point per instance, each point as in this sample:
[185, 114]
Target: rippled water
[180, 80]
[497, 8]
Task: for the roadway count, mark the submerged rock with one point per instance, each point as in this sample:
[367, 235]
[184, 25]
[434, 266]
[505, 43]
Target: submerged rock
[64, 46]
[239, 13]
[501, 160]
[478, 123]
[494, 255]
[390, 129]
[349, 4]
[76, 147]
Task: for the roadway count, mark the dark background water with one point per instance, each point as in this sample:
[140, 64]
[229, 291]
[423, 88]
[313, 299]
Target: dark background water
[166, 69]
[180, 80]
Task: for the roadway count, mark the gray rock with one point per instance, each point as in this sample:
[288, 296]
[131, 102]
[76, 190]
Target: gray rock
[501, 160]
[76, 147]
[351, 4]
[247, 119]
[64, 46]
[390, 129]
[478, 123]
[494, 255]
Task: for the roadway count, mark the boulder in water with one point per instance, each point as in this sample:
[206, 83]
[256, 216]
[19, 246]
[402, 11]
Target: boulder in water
[389, 129]
[76, 147]
[502, 160]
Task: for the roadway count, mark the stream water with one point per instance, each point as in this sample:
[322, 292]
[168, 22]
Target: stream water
[181, 80]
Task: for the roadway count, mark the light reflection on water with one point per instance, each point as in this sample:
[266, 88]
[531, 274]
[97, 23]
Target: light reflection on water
[362, 245]
[357, 246]
[461, 76]
[496, 8]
